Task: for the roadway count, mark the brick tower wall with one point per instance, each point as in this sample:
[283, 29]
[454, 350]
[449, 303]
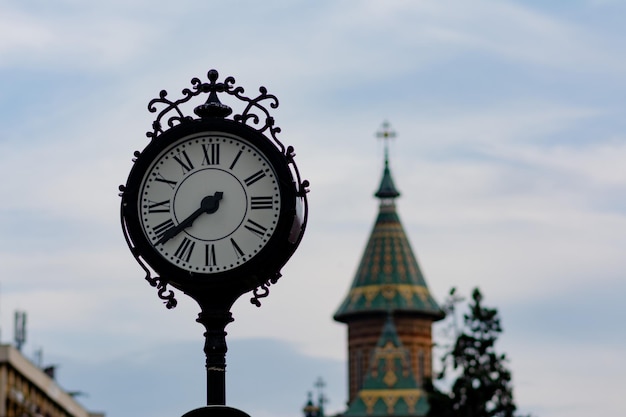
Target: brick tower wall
[363, 335]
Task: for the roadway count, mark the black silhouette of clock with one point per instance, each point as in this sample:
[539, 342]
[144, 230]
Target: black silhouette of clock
[212, 203]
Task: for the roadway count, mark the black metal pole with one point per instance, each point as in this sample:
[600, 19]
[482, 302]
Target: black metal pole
[215, 348]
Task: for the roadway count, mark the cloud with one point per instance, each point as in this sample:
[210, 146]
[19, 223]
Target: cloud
[508, 157]
[73, 41]
[556, 364]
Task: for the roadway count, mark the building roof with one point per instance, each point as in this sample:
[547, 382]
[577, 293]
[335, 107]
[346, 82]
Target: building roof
[37, 380]
[390, 388]
[388, 277]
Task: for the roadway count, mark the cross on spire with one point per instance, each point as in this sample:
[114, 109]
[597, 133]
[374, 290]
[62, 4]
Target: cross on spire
[386, 134]
[320, 385]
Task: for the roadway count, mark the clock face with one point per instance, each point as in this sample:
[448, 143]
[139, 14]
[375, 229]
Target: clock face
[209, 202]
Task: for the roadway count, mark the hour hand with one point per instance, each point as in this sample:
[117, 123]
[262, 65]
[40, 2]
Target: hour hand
[209, 204]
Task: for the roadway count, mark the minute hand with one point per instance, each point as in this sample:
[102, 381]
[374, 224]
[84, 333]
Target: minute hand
[209, 204]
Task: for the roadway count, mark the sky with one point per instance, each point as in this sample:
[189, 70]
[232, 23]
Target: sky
[509, 154]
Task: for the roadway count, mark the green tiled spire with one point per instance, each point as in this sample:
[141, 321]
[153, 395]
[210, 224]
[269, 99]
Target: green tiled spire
[388, 277]
[390, 388]
[387, 188]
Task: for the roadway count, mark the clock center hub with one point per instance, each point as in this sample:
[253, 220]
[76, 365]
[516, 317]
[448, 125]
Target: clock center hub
[225, 215]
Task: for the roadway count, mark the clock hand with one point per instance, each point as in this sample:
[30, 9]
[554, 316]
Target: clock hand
[209, 204]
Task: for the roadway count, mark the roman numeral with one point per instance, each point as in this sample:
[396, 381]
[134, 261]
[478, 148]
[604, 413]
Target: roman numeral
[209, 255]
[160, 207]
[164, 180]
[211, 154]
[236, 248]
[255, 228]
[232, 165]
[254, 177]
[185, 249]
[186, 164]
[160, 229]
[261, 203]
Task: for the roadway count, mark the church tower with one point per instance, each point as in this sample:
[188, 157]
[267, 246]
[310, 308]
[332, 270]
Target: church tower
[388, 307]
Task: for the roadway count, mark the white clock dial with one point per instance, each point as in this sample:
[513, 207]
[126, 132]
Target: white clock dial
[209, 203]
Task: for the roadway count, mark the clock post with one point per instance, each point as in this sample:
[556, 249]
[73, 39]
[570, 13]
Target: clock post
[215, 321]
[214, 206]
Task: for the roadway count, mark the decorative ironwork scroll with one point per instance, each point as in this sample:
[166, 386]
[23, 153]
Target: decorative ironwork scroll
[255, 113]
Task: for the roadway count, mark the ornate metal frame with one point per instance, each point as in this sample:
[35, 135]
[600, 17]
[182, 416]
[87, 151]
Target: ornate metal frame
[254, 115]
[214, 108]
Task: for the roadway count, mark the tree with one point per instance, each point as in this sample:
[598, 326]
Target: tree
[481, 384]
